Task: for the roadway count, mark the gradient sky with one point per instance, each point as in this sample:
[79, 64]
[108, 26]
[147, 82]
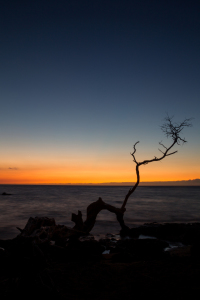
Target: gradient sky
[82, 81]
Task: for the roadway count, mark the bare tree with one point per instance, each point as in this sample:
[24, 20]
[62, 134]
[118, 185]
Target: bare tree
[170, 129]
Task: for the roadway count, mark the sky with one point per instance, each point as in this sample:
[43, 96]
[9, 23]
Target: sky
[82, 81]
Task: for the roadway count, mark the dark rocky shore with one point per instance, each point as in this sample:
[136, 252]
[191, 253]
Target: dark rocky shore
[154, 260]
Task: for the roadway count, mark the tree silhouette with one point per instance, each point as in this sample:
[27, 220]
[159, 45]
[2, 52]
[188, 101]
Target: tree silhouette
[171, 130]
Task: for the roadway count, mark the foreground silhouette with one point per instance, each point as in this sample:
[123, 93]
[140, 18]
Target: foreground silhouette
[32, 266]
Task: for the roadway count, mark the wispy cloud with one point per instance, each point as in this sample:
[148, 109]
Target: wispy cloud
[13, 168]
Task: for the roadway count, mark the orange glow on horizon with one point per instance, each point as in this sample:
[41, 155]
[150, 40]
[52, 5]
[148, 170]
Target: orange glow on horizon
[102, 168]
[90, 175]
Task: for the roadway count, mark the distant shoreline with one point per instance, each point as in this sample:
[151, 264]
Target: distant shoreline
[192, 182]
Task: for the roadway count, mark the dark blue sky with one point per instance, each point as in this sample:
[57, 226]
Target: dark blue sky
[96, 75]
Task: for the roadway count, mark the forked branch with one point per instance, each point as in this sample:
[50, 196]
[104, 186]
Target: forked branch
[170, 129]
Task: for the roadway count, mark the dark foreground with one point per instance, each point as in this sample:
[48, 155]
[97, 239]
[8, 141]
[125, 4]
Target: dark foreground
[135, 268]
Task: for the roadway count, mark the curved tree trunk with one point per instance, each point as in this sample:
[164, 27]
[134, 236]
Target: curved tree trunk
[92, 211]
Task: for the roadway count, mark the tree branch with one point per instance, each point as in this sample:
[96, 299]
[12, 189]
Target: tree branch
[170, 129]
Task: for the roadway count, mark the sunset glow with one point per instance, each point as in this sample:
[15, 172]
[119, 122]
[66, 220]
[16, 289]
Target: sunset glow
[86, 171]
[81, 83]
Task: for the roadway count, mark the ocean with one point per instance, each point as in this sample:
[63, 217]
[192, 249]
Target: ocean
[146, 204]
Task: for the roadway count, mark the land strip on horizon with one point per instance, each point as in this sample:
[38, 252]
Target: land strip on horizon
[190, 182]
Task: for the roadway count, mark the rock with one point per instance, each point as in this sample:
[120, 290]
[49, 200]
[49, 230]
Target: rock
[195, 250]
[5, 194]
[133, 232]
[122, 258]
[142, 249]
[36, 223]
[174, 232]
[191, 234]
[86, 250]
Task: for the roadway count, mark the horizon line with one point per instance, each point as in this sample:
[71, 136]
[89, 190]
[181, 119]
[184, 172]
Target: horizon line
[151, 183]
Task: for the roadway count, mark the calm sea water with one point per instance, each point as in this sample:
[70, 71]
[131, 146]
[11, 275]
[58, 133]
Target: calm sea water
[146, 204]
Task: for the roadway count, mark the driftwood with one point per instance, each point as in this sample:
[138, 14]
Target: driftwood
[44, 230]
[92, 211]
